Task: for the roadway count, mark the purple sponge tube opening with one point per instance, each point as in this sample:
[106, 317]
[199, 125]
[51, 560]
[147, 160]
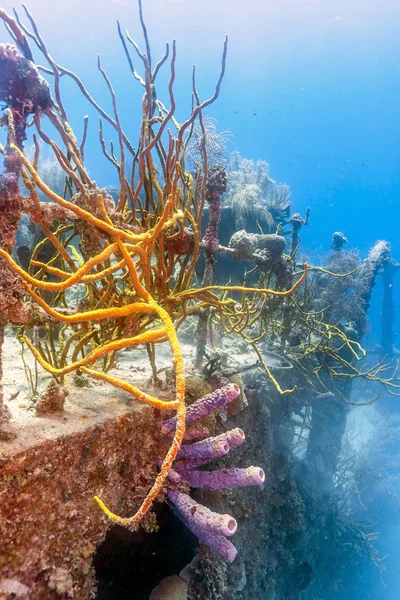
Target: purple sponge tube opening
[234, 437]
[209, 448]
[217, 542]
[200, 515]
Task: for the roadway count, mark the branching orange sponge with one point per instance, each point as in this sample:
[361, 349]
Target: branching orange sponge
[119, 274]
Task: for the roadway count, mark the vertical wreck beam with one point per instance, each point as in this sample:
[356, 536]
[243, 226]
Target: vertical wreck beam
[329, 412]
[388, 313]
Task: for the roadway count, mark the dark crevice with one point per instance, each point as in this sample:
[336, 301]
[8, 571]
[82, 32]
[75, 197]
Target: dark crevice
[130, 565]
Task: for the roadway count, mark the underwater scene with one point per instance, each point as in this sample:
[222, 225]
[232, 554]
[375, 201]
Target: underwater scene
[199, 246]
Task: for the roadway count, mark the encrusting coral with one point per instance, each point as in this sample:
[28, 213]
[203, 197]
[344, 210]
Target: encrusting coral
[263, 249]
[134, 258]
[52, 400]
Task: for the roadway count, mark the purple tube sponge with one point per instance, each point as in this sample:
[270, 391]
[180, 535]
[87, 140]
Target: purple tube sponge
[228, 440]
[223, 478]
[212, 447]
[219, 543]
[205, 406]
[212, 529]
[200, 515]
[209, 449]
[234, 437]
[205, 524]
[173, 476]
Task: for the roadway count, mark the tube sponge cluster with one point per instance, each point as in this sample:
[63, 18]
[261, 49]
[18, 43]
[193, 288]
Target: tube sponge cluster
[212, 529]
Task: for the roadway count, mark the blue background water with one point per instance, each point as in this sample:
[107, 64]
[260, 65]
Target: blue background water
[312, 87]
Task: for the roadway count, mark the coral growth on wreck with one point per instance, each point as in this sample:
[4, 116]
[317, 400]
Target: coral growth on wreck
[251, 192]
[112, 269]
[133, 260]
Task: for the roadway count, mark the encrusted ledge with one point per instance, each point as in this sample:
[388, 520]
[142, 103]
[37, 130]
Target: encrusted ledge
[103, 444]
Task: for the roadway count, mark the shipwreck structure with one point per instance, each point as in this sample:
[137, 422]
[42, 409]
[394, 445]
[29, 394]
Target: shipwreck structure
[134, 391]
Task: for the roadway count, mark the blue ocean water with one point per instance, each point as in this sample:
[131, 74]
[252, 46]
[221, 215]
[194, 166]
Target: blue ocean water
[312, 87]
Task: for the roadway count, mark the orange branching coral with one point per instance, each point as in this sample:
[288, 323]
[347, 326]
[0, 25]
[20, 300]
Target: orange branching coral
[121, 273]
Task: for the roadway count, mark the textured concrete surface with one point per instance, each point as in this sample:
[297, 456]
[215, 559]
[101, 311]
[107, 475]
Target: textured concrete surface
[103, 444]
